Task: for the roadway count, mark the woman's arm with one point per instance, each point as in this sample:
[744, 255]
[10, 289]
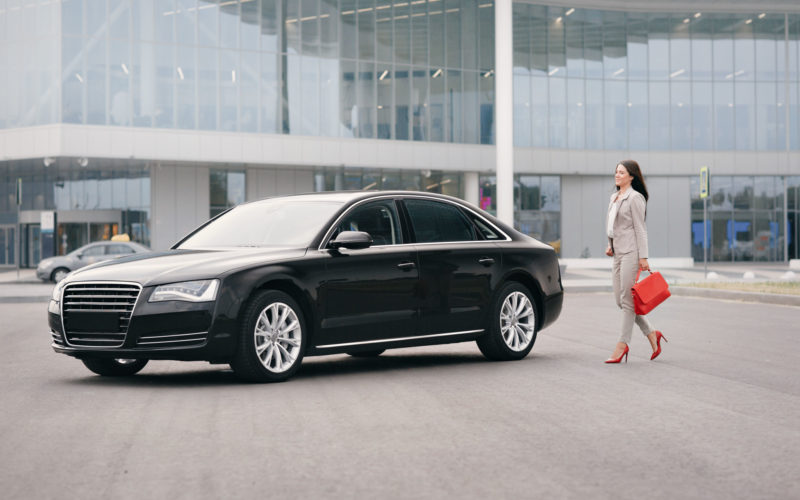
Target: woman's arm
[638, 208]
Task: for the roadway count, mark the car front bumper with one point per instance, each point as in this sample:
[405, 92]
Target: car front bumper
[43, 273]
[165, 330]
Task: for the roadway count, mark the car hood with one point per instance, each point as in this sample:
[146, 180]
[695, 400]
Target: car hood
[182, 265]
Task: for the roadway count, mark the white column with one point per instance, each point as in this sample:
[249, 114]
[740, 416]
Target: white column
[503, 110]
[471, 188]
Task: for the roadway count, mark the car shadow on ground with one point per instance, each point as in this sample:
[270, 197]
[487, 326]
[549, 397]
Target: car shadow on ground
[312, 368]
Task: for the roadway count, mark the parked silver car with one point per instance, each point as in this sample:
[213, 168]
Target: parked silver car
[55, 268]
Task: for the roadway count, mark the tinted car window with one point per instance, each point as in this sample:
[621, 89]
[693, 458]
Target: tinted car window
[273, 222]
[379, 219]
[486, 230]
[93, 251]
[434, 222]
[119, 250]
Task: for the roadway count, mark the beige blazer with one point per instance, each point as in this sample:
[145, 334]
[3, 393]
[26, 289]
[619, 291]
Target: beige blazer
[630, 231]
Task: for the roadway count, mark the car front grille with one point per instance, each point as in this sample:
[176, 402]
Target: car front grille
[98, 314]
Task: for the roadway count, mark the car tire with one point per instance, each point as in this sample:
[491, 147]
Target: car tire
[512, 324]
[109, 367]
[367, 354]
[59, 274]
[272, 338]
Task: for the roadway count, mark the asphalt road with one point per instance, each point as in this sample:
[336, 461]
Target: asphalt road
[715, 417]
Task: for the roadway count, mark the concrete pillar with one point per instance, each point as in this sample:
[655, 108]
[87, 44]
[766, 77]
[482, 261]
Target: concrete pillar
[471, 188]
[504, 117]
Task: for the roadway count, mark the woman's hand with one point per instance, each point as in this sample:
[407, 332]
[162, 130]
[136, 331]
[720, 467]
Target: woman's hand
[643, 265]
[609, 252]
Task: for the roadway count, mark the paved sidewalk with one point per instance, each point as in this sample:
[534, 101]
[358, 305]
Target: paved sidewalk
[24, 287]
[599, 280]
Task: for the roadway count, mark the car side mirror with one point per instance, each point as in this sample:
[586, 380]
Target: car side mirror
[351, 239]
[80, 256]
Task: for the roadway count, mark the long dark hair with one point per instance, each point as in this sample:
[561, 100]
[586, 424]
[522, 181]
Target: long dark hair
[638, 179]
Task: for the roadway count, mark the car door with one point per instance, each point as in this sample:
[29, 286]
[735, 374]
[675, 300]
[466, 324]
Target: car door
[91, 254]
[458, 271]
[370, 294]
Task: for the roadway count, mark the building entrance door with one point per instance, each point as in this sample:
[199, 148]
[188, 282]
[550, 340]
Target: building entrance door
[31, 251]
[7, 244]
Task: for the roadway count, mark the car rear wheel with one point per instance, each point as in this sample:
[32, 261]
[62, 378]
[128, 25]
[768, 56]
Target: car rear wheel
[59, 274]
[272, 339]
[118, 367]
[512, 328]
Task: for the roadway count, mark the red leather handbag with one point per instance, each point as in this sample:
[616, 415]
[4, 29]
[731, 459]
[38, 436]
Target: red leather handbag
[649, 292]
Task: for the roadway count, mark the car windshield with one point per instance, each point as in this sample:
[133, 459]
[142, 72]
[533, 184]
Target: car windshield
[275, 222]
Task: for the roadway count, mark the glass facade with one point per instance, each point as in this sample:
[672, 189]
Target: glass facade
[745, 219]
[594, 79]
[537, 205]
[793, 216]
[418, 70]
[349, 179]
[226, 190]
[118, 189]
[29, 63]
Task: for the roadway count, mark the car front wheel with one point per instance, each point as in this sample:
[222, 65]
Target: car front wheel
[512, 328]
[117, 367]
[59, 274]
[272, 338]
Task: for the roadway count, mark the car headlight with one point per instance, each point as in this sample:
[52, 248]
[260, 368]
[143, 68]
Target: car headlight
[57, 290]
[190, 291]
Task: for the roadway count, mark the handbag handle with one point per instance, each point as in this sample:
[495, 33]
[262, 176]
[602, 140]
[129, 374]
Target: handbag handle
[639, 272]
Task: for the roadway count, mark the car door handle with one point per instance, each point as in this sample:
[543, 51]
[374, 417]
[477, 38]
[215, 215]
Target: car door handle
[406, 266]
[486, 261]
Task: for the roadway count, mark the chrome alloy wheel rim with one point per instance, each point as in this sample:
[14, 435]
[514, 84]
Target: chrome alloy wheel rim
[277, 337]
[517, 321]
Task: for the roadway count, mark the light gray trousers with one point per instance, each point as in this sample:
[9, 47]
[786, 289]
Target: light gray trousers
[624, 275]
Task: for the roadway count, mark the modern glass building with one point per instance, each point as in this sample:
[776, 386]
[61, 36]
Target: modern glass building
[149, 116]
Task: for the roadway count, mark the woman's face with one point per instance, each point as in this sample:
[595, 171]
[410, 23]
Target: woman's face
[621, 177]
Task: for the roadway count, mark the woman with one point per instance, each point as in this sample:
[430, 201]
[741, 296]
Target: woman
[627, 243]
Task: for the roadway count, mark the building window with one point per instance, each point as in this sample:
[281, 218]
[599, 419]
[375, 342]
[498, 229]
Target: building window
[348, 179]
[226, 190]
[537, 205]
[745, 219]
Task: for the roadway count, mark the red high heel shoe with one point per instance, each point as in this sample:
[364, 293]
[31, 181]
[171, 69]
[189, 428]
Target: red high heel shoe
[659, 336]
[619, 359]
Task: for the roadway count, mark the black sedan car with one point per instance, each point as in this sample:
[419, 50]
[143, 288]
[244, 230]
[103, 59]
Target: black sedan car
[266, 283]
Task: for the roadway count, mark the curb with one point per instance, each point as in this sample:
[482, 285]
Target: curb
[765, 298]
[588, 289]
[709, 293]
[31, 299]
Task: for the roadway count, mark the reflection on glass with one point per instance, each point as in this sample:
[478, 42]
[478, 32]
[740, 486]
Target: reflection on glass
[168, 64]
[742, 192]
[226, 189]
[522, 109]
[540, 97]
[367, 107]
[721, 192]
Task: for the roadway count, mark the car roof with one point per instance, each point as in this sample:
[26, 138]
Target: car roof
[109, 242]
[349, 196]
